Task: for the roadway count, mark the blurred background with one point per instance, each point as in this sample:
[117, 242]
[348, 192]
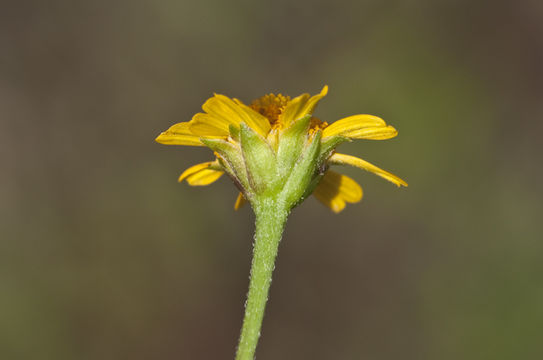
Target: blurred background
[103, 255]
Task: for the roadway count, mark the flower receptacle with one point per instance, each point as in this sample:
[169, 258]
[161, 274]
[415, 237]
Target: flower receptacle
[285, 173]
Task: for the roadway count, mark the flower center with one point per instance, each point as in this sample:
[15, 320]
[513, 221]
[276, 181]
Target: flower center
[271, 106]
[317, 124]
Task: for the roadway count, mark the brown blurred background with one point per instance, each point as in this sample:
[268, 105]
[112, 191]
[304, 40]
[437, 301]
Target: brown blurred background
[104, 256]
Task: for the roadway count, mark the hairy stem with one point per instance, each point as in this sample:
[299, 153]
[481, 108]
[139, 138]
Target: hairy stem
[271, 217]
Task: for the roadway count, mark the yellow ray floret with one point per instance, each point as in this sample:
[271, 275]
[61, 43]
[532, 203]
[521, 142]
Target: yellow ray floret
[206, 125]
[301, 106]
[342, 159]
[179, 134]
[255, 120]
[293, 109]
[201, 174]
[361, 127]
[311, 104]
[335, 190]
[223, 112]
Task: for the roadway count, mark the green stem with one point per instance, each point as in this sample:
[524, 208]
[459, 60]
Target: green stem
[271, 217]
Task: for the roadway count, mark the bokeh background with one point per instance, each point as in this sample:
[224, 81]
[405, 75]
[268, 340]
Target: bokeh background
[103, 255]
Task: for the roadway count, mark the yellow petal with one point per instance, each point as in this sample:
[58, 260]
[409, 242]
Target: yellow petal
[204, 177]
[167, 138]
[221, 109]
[179, 134]
[335, 203]
[180, 128]
[383, 133]
[311, 104]
[335, 190]
[240, 201]
[301, 106]
[224, 112]
[255, 120]
[200, 174]
[205, 125]
[194, 169]
[228, 108]
[360, 127]
[342, 159]
[293, 110]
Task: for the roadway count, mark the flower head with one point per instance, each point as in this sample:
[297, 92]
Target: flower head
[275, 147]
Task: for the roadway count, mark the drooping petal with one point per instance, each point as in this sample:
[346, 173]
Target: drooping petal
[343, 159]
[360, 127]
[201, 174]
[336, 189]
[179, 134]
[204, 177]
[240, 201]
[194, 169]
[335, 203]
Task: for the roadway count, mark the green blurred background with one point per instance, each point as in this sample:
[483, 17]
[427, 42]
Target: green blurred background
[103, 255]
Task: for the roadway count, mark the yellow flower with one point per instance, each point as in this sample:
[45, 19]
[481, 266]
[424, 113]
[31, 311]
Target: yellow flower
[262, 145]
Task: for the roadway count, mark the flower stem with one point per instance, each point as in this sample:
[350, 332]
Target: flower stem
[270, 222]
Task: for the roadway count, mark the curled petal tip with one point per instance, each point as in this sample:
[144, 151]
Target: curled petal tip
[324, 90]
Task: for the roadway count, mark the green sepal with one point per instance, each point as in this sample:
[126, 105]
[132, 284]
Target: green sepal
[216, 165]
[259, 159]
[291, 144]
[329, 145]
[303, 172]
[231, 154]
[234, 132]
[273, 139]
[317, 177]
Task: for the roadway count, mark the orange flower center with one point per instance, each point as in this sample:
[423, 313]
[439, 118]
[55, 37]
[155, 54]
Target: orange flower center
[271, 106]
[317, 124]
